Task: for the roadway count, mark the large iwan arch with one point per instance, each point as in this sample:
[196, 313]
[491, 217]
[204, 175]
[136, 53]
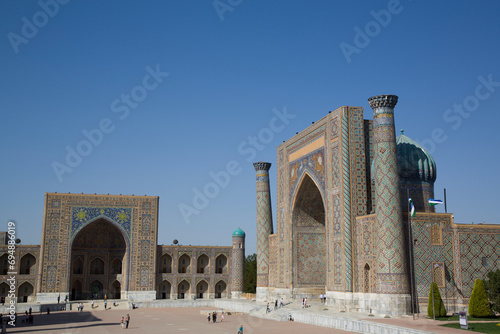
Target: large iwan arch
[99, 256]
[309, 236]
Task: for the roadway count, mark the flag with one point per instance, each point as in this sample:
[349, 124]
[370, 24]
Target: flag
[433, 202]
[412, 207]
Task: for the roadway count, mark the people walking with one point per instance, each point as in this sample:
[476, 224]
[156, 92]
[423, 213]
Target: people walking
[122, 322]
[127, 320]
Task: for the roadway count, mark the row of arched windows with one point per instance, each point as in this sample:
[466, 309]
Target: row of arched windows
[24, 291]
[184, 288]
[184, 264]
[97, 267]
[26, 264]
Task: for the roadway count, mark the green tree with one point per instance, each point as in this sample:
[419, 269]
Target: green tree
[492, 286]
[439, 309]
[250, 274]
[479, 306]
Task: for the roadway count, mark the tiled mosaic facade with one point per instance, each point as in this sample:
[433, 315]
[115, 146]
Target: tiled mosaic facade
[466, 253]
[264, 222]
[26, 267]
[341, 225]
[106, 245]
[390, 253]
[185, 272]
[73, 213]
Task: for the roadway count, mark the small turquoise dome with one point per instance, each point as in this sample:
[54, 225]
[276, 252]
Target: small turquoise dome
[238, 233]
[415, 163]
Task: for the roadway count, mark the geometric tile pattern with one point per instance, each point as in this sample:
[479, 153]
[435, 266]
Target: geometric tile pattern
[309, 235]
[334, 124]
[390, 253]
[473, 247]
[264, 222]
[425, 255]
[273, 260]
[369, 155]
[311, 258]
[335, 167]
[238, 263]
[82, 215]
[346, 182]
[313, 164]
[72, 213]
[336, 215]
[337, 263]
[365, 241]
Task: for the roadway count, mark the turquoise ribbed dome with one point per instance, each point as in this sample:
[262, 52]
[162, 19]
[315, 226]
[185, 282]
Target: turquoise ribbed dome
[238, 233]
[415, 163]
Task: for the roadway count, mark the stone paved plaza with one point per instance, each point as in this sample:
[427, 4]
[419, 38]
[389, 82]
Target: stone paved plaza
[152, 321]
[194, 320]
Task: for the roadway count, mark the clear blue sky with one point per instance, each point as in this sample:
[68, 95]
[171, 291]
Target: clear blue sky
[85, 64]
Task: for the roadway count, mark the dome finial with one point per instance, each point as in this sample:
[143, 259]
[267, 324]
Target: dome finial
[402, 131]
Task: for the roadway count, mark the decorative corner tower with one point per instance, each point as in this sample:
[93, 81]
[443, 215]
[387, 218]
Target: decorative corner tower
[238, 263]
[391, 277]
[264, 227]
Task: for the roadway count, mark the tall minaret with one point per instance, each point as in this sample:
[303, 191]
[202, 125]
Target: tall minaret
[391, 268]
[264, 227]
[238, 263]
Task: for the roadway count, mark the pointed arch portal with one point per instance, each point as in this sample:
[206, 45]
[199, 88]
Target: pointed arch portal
[309, 236]
[99, 265]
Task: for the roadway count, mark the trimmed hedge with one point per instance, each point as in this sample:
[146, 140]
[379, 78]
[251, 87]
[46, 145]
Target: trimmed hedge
[439, 309]
[479, 306]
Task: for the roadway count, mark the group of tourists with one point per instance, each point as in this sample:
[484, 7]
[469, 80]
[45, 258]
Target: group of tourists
[275, 305]
[322, 296]
[124, 321]
[213, 316]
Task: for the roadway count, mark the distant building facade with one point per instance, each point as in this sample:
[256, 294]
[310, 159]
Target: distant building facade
[342, 220]
[96, 246]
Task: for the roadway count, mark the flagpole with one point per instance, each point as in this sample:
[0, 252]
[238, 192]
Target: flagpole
[410, 264]
[432, 276]
[445, 209]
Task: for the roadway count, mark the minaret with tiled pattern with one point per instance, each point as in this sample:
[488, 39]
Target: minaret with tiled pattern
[391, 268]
[238, 263]
[264, 227]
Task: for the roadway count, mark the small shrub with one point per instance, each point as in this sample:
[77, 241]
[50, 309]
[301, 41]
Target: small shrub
[492, 286]
[479, 306]
[439, 309]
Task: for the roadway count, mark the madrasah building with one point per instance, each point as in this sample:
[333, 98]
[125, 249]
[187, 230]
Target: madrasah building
[342, 229]
[97, 246]
[342, 220]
